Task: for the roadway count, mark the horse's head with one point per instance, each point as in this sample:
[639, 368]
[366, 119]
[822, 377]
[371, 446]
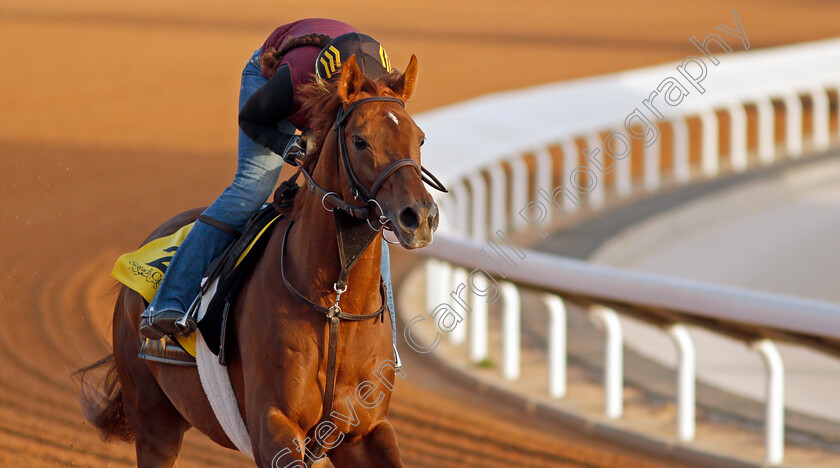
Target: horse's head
[382, 152]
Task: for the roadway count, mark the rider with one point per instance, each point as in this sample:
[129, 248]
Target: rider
[294, 54]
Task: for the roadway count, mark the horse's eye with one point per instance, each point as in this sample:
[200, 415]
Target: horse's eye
[359, 143]
[422, 142]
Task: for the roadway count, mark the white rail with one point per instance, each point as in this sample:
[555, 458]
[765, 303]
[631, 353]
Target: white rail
[686, 376]
[501, 150]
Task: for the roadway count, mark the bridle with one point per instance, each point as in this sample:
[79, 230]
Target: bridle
[366, 195]
[356, 185]
[353, 240]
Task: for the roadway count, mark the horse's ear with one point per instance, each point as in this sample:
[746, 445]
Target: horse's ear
[404, 87]
[350, 82]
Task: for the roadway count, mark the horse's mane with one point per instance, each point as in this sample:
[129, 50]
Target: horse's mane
[321, 102]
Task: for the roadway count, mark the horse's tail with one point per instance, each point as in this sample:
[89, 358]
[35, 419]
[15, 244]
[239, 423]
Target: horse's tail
[103, 406]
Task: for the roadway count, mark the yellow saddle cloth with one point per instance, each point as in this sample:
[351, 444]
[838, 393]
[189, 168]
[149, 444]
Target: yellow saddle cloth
[143, 269]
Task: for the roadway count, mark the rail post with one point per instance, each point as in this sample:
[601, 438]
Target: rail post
[623, 173]
[556, 345]
[686, 369]
[478, 322]
[459, 334]
[498, 202]
[518, 193]
[545, 175]
[511, 326]
[478, 188]
[596, 196]
[737, 137]
[608, 321]
[570, 163]
[766, 130]
[774, 430]
[821, 118]
[682, 171]
[652, 177]
[793, 124]
[837, 90]
[709, 123]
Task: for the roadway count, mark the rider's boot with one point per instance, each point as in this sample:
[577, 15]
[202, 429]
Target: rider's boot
[181, 282]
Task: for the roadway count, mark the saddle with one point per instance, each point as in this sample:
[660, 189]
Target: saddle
[228, 272]
[143, 270]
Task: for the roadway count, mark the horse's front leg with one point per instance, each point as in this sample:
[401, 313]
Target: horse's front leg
[376, 448]
[280, 443]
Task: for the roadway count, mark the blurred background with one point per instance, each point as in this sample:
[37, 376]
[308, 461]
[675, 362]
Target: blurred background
[117, 115]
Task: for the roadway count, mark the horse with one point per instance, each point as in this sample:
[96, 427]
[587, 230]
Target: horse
[280, 365]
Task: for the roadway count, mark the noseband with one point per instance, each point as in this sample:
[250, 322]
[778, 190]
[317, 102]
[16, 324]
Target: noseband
[360, 192]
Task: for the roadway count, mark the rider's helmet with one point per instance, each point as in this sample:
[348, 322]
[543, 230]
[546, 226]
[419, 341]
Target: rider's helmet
[370, 56]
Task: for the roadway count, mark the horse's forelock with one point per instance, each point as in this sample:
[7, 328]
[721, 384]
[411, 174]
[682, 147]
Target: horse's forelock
[321, 103]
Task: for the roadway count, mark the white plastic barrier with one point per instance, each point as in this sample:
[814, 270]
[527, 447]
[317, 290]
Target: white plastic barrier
[479, 149]
[482, 132]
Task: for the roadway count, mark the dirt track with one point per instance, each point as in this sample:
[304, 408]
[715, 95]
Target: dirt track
[117, 115]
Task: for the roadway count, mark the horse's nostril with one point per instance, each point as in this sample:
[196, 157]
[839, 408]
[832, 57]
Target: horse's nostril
[433, 220]
[409, 218]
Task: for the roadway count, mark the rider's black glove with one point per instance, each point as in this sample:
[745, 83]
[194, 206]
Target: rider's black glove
[295, 150]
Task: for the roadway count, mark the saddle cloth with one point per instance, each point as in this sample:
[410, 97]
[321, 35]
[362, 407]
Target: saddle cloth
[143, 271]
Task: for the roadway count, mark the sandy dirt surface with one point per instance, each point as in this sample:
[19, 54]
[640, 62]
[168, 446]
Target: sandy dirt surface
[116, 115]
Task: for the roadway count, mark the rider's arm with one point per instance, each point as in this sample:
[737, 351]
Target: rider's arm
[272, 103]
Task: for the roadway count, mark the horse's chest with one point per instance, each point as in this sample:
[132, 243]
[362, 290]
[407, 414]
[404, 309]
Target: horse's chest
[364, 379]
[359, 404]
[364, 374]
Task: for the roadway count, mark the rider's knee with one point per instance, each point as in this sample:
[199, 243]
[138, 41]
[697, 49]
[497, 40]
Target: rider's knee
[252, 192]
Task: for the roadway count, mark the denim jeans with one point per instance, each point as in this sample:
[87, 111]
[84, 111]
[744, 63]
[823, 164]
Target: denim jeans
[257, 171]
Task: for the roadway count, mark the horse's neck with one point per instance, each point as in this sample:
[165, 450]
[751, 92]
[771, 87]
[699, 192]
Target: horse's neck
[313, 254]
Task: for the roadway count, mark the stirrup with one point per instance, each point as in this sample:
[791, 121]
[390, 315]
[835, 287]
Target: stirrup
[152, 329]
[189, 322]
[186, 325]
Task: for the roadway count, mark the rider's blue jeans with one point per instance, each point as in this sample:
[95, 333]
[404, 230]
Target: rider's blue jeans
[256, 176]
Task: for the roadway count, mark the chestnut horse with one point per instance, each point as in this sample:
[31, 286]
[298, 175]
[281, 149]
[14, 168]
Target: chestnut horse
[278, 366]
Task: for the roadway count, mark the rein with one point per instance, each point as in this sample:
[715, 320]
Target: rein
[354, 234]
